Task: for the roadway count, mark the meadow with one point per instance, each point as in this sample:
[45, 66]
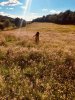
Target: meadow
[38, 72]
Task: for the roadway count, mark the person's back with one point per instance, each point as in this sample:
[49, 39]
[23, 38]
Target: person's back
[37, 37]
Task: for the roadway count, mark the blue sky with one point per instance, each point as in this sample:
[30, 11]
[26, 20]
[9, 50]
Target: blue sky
[30, 9]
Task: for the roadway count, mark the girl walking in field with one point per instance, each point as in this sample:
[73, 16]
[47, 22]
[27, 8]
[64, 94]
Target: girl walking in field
[37, 38]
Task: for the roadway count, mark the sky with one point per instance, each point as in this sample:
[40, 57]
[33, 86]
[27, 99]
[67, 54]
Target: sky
[31, 9]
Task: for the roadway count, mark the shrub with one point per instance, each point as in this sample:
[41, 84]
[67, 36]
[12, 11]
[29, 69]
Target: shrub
[2, 26]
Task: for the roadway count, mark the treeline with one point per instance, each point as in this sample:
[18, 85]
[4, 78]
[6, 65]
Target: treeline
[7, 22]
[67, 17]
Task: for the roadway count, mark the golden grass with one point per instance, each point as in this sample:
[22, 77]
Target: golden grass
[38, 72]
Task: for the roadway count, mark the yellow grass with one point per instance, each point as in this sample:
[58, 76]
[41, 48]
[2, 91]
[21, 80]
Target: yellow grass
[38, 72]
[52, 36]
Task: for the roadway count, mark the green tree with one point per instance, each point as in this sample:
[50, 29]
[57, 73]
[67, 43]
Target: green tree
[17, 22]
[7, 23]
[2, 26]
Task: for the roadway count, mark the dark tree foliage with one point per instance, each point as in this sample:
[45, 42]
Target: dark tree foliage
[67, 17]
[20, 22]
[17, 22]
[6, 22]
[23, 23]
[2, 26]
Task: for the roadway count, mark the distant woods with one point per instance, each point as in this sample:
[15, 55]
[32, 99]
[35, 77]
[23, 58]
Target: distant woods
[8, 22]
[67, 17]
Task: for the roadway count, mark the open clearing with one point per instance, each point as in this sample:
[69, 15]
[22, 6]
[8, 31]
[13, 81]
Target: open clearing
[51, 35]
[38, 72]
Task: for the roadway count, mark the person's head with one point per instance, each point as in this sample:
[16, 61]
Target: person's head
[37, 33]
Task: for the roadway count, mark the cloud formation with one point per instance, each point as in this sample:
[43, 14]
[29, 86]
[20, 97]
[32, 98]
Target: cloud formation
[28, 17]
[9, 8]
[10, 3]
[45, 10]
[31, 16]
[54, 12]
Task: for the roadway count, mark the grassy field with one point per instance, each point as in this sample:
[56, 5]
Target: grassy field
[38, 72]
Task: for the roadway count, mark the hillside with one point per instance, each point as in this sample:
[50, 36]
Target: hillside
[67, 17]
[38, 72]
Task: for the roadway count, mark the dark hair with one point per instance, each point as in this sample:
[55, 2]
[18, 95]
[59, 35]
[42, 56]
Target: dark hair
[37, 33]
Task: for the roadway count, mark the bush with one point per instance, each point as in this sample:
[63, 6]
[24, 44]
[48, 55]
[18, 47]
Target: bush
[7, 23]
[2, 26]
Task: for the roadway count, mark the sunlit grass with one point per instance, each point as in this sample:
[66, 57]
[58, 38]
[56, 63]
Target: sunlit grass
[38, 72]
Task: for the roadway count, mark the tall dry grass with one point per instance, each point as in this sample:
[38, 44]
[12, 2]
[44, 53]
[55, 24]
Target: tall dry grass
[38, 72]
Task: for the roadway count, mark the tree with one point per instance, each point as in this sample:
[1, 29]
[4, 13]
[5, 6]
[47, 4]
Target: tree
[67, 17]
[17, 22]
[20, 22]
[7, 23]
[23, 23]
[2, 26]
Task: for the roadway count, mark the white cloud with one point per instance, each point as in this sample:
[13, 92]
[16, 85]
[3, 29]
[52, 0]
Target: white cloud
[6, 14]
[23, 7]
[10, 15]
[54, 12]
[10, 3]
[9, 8]
[31, 16]
[44, 10]
[2, 13]
[48, 11]
[27, 17]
